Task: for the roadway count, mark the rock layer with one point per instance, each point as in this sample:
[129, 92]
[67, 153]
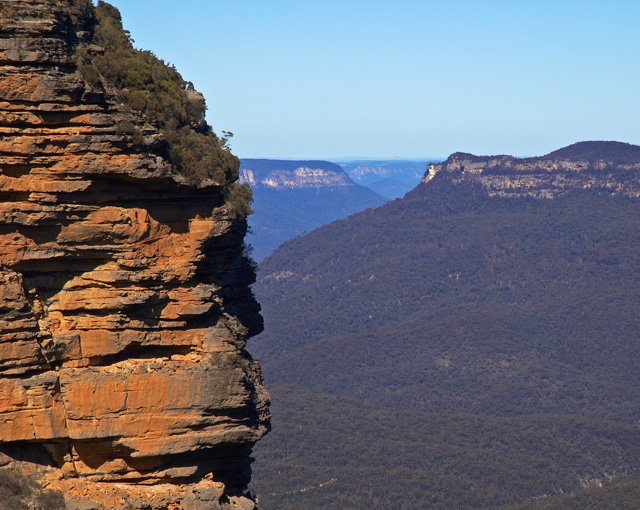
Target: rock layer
[284, 174]
[293, 197]
[605, 166]
[124, 300]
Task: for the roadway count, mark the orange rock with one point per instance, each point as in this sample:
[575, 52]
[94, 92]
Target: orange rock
[124, 305]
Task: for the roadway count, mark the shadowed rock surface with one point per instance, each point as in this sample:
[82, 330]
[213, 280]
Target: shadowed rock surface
[124, 297]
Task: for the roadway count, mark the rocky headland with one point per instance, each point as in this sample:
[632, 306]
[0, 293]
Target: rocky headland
[124, 304]
[293, 197]
[282, 174]
[600, 166]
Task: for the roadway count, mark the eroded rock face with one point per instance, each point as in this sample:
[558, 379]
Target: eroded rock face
[302, 176]
[124, 294]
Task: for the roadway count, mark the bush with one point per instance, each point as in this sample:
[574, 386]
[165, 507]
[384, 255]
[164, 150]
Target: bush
[20, 492]
[50, 500]
[156, 91]
[14, 488]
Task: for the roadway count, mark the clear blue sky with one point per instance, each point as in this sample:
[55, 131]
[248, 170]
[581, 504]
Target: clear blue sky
[409, 78]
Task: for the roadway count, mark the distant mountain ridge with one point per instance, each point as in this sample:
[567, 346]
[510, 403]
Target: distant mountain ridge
[294, 197]
[389, 178]
[595, 151]
[292, 174]
[503, 289]
[608, 166]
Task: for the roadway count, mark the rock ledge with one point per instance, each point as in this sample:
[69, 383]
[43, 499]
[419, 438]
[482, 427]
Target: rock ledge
[124, 297]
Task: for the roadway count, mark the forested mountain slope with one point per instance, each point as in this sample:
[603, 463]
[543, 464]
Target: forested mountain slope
[500, 288]
[336, 452]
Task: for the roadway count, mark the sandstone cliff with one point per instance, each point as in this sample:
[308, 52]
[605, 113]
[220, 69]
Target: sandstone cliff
[606, 166]
[285, 174]
[293, 197]
[124, 301]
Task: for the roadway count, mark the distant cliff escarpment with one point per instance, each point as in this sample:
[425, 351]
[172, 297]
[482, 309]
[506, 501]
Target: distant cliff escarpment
[606, 166]
[282, 174]
[390, 178]
[124, 298]
[294, 197]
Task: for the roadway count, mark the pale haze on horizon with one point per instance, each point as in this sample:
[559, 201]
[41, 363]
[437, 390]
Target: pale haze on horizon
[408, 79]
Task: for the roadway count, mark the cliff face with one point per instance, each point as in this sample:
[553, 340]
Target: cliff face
[607, 166]
[285, 174]
[124, 298]
[293, 197]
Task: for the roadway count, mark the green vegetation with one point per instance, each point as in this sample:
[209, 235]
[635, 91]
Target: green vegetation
[19, 492]
[463, 304]
[158, 92]
[373, 457]
[618, 495]
[159, 97]
[14, 489]
[451, 350]
[613, 152]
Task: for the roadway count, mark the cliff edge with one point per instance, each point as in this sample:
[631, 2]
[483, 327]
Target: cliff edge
[294, 197]
[597, 165]
[124, 301]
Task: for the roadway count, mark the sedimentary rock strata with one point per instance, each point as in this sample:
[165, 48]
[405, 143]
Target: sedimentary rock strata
[124, 293]
[604, 166]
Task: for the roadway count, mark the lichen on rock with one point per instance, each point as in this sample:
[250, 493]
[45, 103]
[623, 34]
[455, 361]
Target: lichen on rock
[124, 289]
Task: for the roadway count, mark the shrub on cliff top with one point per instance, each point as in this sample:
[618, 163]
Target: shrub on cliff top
[146, 84]
[157, 91]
